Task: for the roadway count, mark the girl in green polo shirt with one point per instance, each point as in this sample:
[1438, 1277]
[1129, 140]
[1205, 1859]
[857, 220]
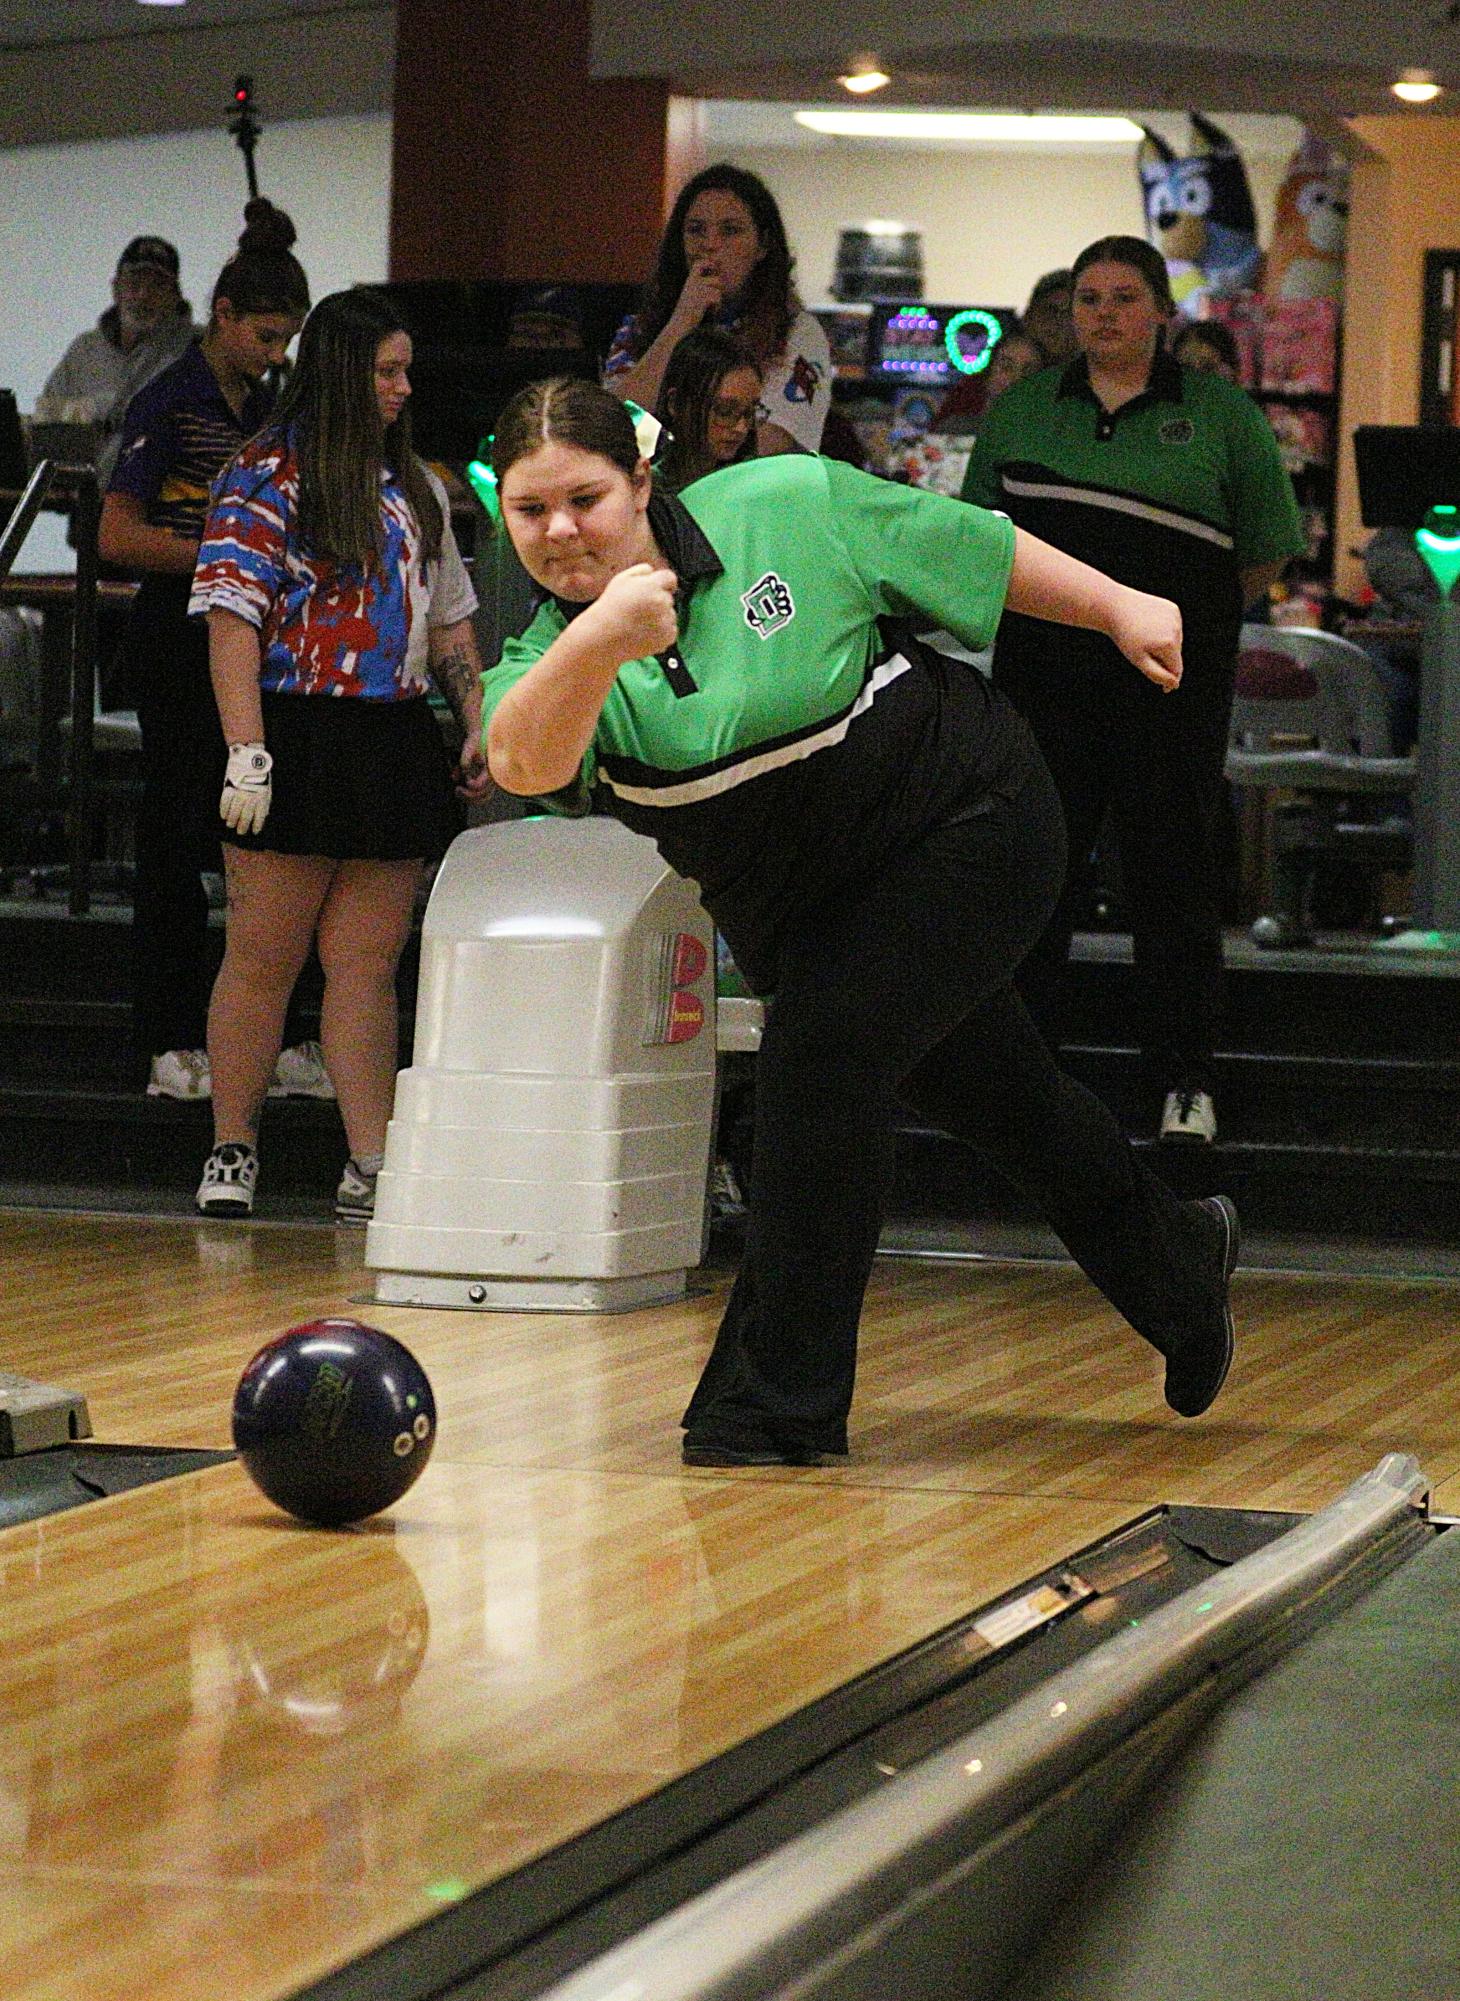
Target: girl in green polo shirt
[1158, 475]
[875, 836]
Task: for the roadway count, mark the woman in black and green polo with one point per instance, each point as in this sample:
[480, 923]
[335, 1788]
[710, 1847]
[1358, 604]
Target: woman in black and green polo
[876, 837]
[1168, 479]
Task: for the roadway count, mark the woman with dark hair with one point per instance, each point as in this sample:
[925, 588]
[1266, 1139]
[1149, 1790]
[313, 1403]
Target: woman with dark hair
[711, 390]
[1207, 344]
[1168, 479]
[875, 837]
[334, 594]
[181, 429]
[724, 258]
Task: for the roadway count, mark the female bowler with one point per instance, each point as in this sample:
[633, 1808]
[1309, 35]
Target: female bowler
[876, 837]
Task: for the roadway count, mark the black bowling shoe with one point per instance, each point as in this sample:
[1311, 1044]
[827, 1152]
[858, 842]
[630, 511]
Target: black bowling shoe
[1197, 1367]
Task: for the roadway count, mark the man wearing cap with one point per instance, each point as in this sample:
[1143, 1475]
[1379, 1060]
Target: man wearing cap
[147, 326]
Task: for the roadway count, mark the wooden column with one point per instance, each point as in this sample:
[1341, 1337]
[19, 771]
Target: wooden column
[510, 161]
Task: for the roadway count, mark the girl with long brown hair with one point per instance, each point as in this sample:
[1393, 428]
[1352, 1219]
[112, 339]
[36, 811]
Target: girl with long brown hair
[724, 261]
[334, 595]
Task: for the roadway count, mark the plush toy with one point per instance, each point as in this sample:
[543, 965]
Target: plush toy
[1306, 258]
[1199, 214]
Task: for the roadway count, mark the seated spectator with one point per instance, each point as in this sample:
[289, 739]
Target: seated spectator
[148, 325]
[1207, 344]
[709, 399]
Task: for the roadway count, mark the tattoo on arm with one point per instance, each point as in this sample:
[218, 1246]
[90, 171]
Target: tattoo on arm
[455, 672]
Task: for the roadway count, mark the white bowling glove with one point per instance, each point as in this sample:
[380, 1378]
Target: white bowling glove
[248, 789]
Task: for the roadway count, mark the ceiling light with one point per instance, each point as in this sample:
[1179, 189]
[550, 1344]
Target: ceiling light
[162, 3]
[1416, 86]
[863, 80]
[996, 126]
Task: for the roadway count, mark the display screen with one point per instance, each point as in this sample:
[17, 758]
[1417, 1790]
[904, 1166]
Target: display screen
[917, 342]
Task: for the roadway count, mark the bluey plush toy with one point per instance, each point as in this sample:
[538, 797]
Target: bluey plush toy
[1311, 224]
[1199, 214]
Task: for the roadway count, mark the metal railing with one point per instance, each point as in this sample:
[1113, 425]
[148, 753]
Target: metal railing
[79, 796]
[22, 518]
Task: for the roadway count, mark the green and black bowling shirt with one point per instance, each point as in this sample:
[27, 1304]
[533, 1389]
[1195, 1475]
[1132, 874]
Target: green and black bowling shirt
[1177, 492]
[797, 732]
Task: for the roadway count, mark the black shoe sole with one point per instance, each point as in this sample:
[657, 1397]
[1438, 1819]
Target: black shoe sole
[229, 1211]
[746, 1455]
[1194, 1406]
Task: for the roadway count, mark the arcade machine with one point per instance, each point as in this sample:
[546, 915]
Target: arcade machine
[907, 376]
[1409, 477]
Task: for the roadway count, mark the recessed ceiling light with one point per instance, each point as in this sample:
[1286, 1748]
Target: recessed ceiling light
[162, 3]
[1416, 86]
[997, 126]
[863, 80]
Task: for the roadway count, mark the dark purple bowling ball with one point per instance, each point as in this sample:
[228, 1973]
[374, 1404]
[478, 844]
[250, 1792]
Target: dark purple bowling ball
[334, 1420]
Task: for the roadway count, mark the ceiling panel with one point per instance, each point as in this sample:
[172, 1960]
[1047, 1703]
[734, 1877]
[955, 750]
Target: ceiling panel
[27, 23]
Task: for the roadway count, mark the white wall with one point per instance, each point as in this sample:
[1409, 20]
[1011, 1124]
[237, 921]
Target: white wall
[992, 222]
[68, 211]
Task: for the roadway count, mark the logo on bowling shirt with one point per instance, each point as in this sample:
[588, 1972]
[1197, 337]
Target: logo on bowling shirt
[1177, 431]
[768, 605]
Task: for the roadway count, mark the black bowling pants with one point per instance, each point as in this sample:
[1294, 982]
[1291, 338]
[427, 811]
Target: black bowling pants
[1153, 762]
[183, 757]
[904, 991]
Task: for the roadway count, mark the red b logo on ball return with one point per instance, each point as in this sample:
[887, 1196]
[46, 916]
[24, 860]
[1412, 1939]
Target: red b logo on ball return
[675, 1012]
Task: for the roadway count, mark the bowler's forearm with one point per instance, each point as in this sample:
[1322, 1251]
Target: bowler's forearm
[1046, 583]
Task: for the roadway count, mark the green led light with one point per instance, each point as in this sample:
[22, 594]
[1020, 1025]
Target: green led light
[972, 364]
[1438, 543]
[450, 1890]
[482, 480]
[483, 483]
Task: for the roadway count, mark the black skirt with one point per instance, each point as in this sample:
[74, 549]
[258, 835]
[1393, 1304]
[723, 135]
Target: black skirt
[355, 780]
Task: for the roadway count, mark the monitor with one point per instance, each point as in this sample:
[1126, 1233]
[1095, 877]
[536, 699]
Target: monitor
[1405, 470]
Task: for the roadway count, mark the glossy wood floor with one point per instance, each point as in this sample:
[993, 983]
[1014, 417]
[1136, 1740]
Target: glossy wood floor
[235, 1753]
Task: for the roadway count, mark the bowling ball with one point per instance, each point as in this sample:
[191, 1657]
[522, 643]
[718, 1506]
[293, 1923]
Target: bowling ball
[334, 1420]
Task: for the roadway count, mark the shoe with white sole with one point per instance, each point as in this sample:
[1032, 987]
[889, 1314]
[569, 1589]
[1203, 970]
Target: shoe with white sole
[355, 1196]
[300, 1073]
[1189, 1117]
[230, 1175]
[181, 1073]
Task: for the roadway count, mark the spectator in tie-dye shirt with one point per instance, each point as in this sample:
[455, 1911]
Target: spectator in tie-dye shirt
[334, 595]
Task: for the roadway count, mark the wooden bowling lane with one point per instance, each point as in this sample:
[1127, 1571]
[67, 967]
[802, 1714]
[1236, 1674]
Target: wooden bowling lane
[999, 1378]
[234, 1752]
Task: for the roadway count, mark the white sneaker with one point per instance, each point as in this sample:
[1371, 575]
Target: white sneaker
[181, 1073]
[1189, 1116]
[230, 1175]
[355, 1196]
[300, 1073]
